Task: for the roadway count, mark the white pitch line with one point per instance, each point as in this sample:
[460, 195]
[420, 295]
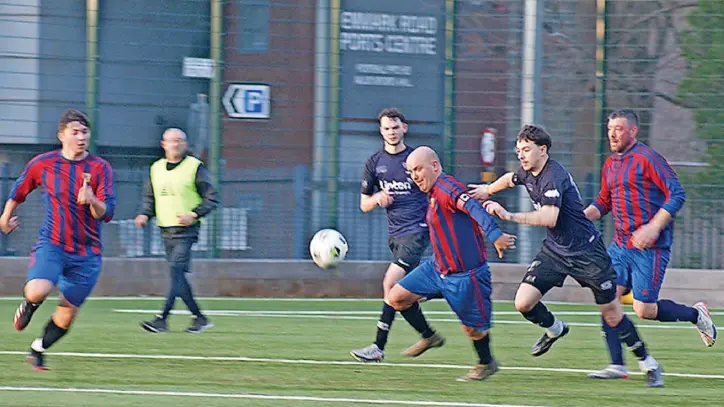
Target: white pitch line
[288, 299]
[312, 300]
[280, 299]
[296, 312]
[266, 299]
[258, 397]
[330, 362]
[293, 314]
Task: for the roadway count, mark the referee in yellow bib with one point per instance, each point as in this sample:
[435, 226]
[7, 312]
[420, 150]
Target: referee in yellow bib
[179, 195]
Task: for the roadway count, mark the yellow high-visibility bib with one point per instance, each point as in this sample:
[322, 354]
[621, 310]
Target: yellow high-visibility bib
[174, 191]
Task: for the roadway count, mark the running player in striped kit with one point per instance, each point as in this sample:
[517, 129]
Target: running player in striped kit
[78, 197]
[643, 193]
[459, 269]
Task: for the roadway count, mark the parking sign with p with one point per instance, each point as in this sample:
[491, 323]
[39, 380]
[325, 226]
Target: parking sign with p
[248, 101]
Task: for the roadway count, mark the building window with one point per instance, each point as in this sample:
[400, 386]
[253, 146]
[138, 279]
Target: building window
[253, 25]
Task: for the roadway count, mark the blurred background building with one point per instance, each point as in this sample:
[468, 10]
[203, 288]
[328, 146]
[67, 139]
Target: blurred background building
[280, 98]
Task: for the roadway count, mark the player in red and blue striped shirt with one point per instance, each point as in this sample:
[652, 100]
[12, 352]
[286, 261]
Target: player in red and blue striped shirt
[459, 270]
[642, 191]
[78, 196]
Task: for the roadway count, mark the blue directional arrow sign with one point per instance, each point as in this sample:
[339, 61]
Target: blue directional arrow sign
[247, 101]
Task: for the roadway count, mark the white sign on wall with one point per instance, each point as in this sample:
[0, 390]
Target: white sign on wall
[198, 68]
[248, 101]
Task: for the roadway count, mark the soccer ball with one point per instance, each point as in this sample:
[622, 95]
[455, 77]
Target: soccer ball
[328, 248]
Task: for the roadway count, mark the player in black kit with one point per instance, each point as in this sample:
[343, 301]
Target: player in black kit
[386, 183]
[573, 247]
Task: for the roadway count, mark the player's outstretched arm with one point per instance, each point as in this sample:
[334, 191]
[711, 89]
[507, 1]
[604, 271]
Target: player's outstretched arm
[483, 192]
[501, 241]
[477, 212]
[546, 216]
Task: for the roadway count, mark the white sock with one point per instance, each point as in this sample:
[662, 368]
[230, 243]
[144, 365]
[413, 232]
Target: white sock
[648, 364]
[37, 345]
[556, 329]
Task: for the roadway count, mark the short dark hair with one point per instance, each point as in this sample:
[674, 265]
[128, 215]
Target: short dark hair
[627, 114]
[70, 116]
[537, 134]
[392, 113]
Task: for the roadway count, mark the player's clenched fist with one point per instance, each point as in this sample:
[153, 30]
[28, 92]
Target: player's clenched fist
[645, 236]
[140, 221]
[481, 192]
[503, 243]
[85, 194]
[384, 199]
[8, 225]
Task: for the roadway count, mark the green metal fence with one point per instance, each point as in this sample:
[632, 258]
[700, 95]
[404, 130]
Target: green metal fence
[563, 63]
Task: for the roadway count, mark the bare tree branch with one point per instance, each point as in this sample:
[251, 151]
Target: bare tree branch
[671, 99]
[629, 29]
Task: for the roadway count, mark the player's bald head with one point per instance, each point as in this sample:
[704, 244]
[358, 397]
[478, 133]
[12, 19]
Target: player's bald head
[424, 167]
[422, 155]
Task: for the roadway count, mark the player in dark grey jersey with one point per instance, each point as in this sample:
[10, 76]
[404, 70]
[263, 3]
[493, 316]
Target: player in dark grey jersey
[573, 247]
[386, 183]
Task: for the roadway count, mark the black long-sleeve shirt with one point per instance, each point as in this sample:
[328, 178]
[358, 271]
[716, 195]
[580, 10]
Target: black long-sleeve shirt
[205, 189]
